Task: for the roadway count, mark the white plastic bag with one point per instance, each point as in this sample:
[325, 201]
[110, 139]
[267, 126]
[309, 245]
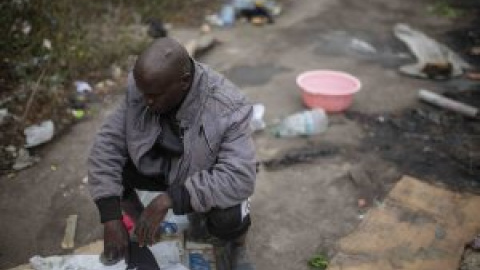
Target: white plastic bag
[73, 262]
[257, 122]
[427, 51]
[38, 134]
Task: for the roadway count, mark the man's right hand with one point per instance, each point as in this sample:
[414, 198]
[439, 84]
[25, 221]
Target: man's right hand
[115, 242]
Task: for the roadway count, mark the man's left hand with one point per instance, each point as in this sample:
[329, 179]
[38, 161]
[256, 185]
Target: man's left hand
[150, 219]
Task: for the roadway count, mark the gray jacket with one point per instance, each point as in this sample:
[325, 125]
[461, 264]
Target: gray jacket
[217, 167]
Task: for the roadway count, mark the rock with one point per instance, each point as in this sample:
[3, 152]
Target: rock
[11, 149]
[100, 85]
[24, 160]
[109, 83]
[3, 115]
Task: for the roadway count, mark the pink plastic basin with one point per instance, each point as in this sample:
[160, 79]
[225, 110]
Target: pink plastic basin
[327, 89]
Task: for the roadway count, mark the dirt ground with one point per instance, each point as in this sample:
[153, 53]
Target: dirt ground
[303, 209]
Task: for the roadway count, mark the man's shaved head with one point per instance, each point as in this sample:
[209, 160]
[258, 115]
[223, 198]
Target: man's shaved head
[163, 74]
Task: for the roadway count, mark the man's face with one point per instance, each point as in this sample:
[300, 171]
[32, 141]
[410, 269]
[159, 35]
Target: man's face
[163, 96]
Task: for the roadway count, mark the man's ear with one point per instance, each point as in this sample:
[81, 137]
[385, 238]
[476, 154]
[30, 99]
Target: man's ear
[185, 80]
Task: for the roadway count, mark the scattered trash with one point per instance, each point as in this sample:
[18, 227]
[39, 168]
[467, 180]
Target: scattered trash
[82, 86]
[70, 229]
[26, 27]
[435, 60]
[301, 155]
[203, 256]
[227, 15]
[39, 134]
[343, 42]
[361, 216]
[78, 114]
[362, 46]
[257, 122]
[104, 84]
[361, 203]
[24, 160]
[53, 167]
[116, 72]
[449, 104]
[12, 150]
[73, 262]
[259, 21]
[256, 12]
[85, 180]
[381, 119]
[3, 115]
[198, 47]
[47, 44]
[167, 254]
[319, 261]
[306, 123]
[214, 20]
[243, 4]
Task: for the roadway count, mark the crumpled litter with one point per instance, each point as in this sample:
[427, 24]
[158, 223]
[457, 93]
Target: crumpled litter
[3, 115]
[257, 122]
[82, 86]
[429, 53]
[38, 134]
[166, 255]
[73, 262]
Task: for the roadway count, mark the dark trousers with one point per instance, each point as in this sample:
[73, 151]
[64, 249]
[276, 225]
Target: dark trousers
[226, 224]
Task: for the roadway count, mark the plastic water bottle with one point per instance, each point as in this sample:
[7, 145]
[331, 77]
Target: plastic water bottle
[227, 13]
[304, 123]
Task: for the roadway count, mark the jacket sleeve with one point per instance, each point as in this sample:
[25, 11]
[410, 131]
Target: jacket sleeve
[231, 179]
[105, 164]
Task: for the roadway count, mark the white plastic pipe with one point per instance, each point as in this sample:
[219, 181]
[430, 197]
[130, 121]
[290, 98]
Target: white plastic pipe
[449, 104]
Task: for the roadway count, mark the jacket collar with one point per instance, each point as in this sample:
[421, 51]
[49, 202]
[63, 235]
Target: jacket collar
[194, 100]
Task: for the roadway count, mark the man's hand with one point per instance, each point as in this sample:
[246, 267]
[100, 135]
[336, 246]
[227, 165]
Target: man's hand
[115, 242]
[151, 218]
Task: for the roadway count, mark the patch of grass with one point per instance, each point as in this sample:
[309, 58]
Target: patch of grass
[72, 39]
[444, 9]
[318, 261]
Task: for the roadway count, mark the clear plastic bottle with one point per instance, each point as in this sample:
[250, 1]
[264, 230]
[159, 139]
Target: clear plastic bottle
[305, 123]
